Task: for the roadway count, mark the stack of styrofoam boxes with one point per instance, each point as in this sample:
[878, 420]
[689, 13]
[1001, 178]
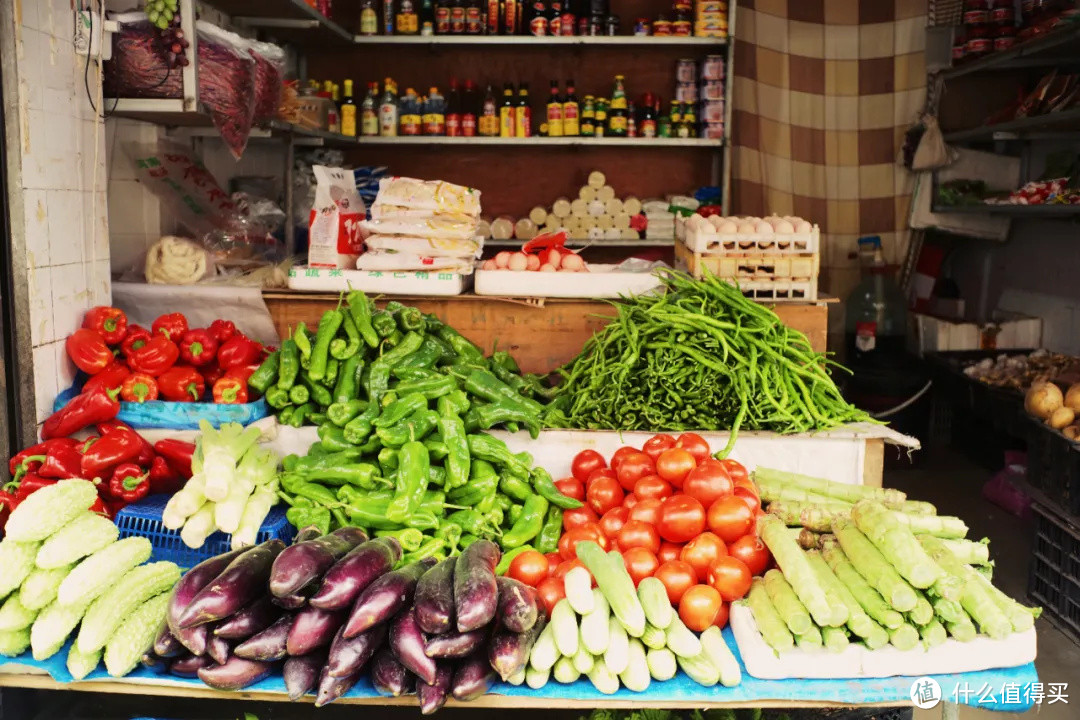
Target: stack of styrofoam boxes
[773, 258]
[711, 18]
[666, 216]
[712, 111]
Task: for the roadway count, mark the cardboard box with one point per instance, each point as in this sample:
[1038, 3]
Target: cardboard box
[1005, 330]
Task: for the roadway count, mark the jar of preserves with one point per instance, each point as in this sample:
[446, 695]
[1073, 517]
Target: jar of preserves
[979, 42]
[1004, 37]
[661, 27]
[1002, 12]
[976, 12]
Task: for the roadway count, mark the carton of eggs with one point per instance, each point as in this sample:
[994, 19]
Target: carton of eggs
[734, 233]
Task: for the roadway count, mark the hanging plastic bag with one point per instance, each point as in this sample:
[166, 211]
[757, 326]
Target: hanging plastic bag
[932, 152]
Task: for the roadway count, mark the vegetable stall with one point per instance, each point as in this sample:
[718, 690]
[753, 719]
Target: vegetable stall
[414, 521]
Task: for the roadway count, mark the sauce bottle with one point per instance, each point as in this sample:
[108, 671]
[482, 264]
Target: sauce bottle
[618, 94]
[470, 103]
[369, 112]
[347, 124]
[600, 124]
[494, 17]
[511, 17]
[554, 111]
[442, 17]
[631, 121]
[688, 128]
[407, 22]
[409, 115]
[506, 112]
[453, 110]
[489, 115]
[568, 21]
[588, 117]
[523, 113]
[647, 125]
[333, 116]
[427, 17]
[388, 110]
[457, 17]
[618, 124]
[435, 113]
[388, 17]
[474, 19]
[570, 121]
[369, 18]
[554, 15]
[538, 21]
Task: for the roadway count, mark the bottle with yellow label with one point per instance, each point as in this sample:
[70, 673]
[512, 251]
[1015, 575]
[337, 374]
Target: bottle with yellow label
[348, 110]
[618, 94]
[588, 117]
[570, 121]
[555, 111]
[506, 112]
[523, 113]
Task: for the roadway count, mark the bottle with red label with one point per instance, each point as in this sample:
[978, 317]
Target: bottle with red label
[538, 19]
[470, 103]
[457, 17]
[568, 21]
[442, 17]
[474, 18]
[875, 320]
[647, 122]
[453, 110]
[554, 11]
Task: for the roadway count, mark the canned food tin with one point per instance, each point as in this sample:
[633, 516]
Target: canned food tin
[713, 68]
[641, 27]
[686, 92]
[685, 70]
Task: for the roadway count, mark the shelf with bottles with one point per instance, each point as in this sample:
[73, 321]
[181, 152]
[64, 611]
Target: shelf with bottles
[309, 25]
[576, 22]
[995, 38]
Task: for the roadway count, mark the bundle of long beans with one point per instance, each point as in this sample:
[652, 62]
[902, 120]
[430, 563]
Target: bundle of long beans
[701, 356]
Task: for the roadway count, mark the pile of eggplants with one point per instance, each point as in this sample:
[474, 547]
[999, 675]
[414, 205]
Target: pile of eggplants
[328, 609]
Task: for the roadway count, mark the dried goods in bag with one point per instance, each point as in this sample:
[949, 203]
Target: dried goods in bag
[433, 195]
[336, 236]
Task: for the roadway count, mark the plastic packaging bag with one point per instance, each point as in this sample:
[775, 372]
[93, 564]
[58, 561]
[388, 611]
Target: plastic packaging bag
[434, 226]
[391, 260]
[336, 236]
[432, 195]
[426, 246]
[269, 71]
[381, 211]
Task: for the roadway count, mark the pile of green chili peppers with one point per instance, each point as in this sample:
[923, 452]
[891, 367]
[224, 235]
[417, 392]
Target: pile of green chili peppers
[401, 401]
[700, 356]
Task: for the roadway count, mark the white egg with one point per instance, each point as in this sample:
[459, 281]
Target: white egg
[728, 227]
[533, 262]
[518, 261]
[763, 228]
[547, 268]
[803, 227]
[784, 227]
[716, 221]
[773, 220]
[707, 229]
[502, 259]
[489, 265]
[573, 263]
[746, 227]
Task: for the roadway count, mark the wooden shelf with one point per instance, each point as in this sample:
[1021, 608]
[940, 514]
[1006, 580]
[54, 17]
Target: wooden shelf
[1027, 54]
[600, 41]
[291, 21]
[537, 141]
[1066, 123]
[1016, 211]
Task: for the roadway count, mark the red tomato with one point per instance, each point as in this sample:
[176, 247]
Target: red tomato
[730, 518]
[577, 517]
[699, 607]
[630, 501]
[735, 469]
[722, 616]
[652, 486]
[571, 487]
[597, 474]
[678, 577]
[530, 567]
[674, 464]
[566, 566]
[707, 483]
[743, 482]
[613, 521]
[603, 494]
[669, 551]
[647, 511]
[730, 577]
[568, 542]
[640, 563]
[702, 552]
[682, 518]
[632, 468]
[750, 498]
[585, 462]
[550, 592]
[638, 534]
[616, 459]
[752, 552]
[553, 559]
[693, 444]
[657, 444]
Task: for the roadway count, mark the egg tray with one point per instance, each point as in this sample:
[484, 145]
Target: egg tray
[750, 274]
[756, 244]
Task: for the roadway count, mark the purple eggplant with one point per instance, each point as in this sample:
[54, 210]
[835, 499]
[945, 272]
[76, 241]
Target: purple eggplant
[385, 597]
[290, 602]
[155, 664]
[434, 599]
[331, 688]
[300, 564]
[218, 649]
[407, 644]
[517, 609]
[251, 620]
[475, 591]
[236, 674]
[389, 676]
[193, 581]
[301, 674]
[472, 678]
[166, 645]
[313, 628]
[433, 696]
[188, 666]
[354, 572]
[455, 645]
[348, 657]
[304, 534]
[243, 581]
[269, 645]
[508, 652]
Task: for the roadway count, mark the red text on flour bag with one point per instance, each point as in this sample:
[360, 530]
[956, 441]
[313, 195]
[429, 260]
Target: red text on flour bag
[335, 239]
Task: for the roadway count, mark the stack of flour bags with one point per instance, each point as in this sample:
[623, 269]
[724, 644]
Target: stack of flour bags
[422, 225]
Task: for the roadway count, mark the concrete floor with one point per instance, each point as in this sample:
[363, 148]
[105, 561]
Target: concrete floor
[955, 485]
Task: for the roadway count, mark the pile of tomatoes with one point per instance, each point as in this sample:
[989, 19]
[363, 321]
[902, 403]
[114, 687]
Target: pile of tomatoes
[674, 513]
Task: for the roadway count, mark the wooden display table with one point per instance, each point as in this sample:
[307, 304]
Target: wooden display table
[541, 334]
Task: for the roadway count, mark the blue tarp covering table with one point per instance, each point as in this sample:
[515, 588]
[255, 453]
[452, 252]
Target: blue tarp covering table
[1005, 689]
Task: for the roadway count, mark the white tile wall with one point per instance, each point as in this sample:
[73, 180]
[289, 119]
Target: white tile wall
[63, 189]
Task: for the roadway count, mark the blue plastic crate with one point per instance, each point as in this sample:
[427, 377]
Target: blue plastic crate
[144, 519]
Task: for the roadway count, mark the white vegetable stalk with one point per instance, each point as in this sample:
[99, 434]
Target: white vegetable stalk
[199, 527]
[258, 506]
[221, 453]
[184, 503]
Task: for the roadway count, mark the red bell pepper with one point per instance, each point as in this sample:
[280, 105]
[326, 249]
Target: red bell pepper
[87, 349]
[230, 391]
[83, 410]
[109, 322]
[138, 388]
[212, 373]
[21, 458]
[100, 507]
[136, 337]
[171, 325]
[108, 451]
[155, 357]
[129, 483]
[27, 485]
[181, 383]
[7, 504]
[163, 478]
[62, 463]
[198, 347]
[146, 450]
[222, 330]
[111, 378]
[178, 454]
[242, 372]
[238, 350]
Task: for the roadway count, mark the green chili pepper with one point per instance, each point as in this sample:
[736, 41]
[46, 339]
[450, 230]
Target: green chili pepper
[333, 437]
[462, 347]
[299, 394]
[508, 557]
[432, 548]
[348, 380]
[297, 486]
[502, 501]
[410, 538]
[415, 427]
[475, 491]
[446, 353]
[362, 475]
[545, 488]
[528, 525]
[303, 341]
[481, 469]
[511, 378]
[316, 418]
[317, 451]
[315, 462]
[267, 373]
[400, 409]
[388, 399]
[302, 517]
[319, 395]
[409, 344]
[412, 482]
[357, 430]
[330, 379]
[494, 450]
[299, 416]
[360, 311]
[289, 367]
[484, 384]
[470, 521]
[430, 387]
[341, 349]
[451, 533]
[458, 459]
[328, 327]
[384, 323]
[388, 460]
[425, 357]
[495, 517]
[503, 413]
[505, 361]
[411, 372]
[514, 513]
[338, 519]
[410, 318]
[466, 540]
[289, 462]
[276, 397]
[340, 413]
[437, 476]
[548, 540]
[436, 448]
[378, 380]
[456, 403]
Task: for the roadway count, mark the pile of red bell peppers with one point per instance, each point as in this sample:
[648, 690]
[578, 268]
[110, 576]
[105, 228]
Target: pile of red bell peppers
[170, 361]
[121, 462]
